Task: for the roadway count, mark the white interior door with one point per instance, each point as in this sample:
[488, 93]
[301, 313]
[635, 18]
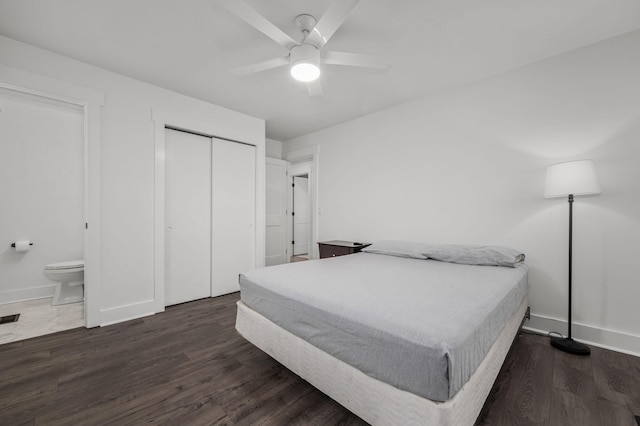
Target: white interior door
[276, 212]
[187, 217]
[233, 207]
[301, 215]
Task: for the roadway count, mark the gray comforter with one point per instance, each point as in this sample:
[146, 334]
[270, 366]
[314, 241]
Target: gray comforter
[422, 326]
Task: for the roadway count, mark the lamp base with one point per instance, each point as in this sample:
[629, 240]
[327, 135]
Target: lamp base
[570, 346]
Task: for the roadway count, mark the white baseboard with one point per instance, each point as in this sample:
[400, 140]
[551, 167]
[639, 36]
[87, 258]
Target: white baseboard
[24, 294]
[127, 312]
[607, 339]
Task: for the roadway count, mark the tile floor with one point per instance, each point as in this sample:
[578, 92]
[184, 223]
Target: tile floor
[38, 317]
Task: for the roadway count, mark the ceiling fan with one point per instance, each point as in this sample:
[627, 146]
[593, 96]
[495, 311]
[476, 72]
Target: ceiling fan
[305, 56]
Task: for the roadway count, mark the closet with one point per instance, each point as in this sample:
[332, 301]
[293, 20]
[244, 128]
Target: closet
[210, 209]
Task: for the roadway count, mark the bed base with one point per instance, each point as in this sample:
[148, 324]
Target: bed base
[376, 402]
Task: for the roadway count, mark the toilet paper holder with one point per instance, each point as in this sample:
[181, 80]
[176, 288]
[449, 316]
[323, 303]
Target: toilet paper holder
[14, 244]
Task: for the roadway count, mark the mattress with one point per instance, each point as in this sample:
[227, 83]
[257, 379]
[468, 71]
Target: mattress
[376, 402]
[421, 326]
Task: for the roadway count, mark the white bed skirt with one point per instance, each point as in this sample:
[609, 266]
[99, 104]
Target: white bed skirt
[374, 401]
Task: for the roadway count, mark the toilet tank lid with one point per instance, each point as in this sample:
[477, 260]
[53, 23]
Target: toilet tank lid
[66, 265]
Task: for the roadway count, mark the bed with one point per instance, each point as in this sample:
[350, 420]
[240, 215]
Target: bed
[402, 333]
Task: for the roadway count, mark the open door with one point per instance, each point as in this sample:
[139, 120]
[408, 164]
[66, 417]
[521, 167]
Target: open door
[276, 210]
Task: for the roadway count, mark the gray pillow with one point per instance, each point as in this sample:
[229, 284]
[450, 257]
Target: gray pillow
[398, 248]
[475, 255]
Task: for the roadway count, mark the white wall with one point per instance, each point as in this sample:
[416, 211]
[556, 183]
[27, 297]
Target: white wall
[468, 166]
[273, 149]
[41, 188]
[127, 168]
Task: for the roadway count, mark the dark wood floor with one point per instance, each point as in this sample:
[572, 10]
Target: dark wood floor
[188, 366]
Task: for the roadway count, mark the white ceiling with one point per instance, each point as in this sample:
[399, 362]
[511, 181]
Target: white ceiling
[189, 46]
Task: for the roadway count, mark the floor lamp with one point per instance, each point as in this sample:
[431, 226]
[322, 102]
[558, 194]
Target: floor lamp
[568, 180]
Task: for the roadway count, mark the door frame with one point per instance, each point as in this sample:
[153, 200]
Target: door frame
[174, 120]
[90, 101]
[292, 221]
[309, 154]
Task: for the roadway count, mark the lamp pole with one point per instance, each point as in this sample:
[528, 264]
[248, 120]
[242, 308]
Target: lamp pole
[568, 344]
[570, 257]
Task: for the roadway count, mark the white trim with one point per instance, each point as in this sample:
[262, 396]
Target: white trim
[24, 294]
[90, 100]
[127, 312]
[159, 210]
[298, 170]
[175, 120]
[602, 338]
[311, 154]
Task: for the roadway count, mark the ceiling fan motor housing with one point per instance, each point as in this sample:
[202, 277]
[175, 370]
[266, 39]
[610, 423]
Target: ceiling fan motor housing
[305, 62]
[307, 53]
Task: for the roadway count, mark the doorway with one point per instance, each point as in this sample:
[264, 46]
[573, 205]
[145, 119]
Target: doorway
[279, 204]
[300, 223]
[43, 188]
[300, 218]
[305, 161]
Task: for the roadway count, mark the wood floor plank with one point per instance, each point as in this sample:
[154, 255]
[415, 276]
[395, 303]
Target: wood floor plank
[18, 421]
[633, 404]
[196, 389]
[12, 364]
[521, 392]
[616, 375]
[201, 412]
[25, 392]
[574, 374]
[188, 366]
[569, 409]
[614, 414]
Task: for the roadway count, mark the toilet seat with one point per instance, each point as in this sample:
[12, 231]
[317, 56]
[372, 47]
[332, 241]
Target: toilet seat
[71, 264]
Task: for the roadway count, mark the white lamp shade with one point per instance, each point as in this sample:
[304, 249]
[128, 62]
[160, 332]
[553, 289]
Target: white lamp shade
[305, 62]
[306, 72]
[573, 177]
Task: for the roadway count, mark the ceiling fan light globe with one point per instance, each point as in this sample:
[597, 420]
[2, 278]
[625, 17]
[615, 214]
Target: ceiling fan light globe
[305, 71]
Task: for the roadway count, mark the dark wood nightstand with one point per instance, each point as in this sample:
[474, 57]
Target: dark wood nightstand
[339, 248]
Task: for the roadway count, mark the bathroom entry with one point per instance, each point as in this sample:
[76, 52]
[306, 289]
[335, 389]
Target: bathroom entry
[209, 215]
[300, 215]
[42, 189]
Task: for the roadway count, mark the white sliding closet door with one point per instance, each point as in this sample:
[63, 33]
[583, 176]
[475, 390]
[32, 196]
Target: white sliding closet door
[187, 217]
[233, 207]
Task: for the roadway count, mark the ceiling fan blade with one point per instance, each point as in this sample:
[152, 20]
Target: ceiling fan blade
[355, 60]
[261, 66]
[331, 20]
[314, 88]
[259, 22]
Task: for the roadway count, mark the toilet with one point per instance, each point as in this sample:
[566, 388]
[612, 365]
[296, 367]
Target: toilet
[70, 278]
